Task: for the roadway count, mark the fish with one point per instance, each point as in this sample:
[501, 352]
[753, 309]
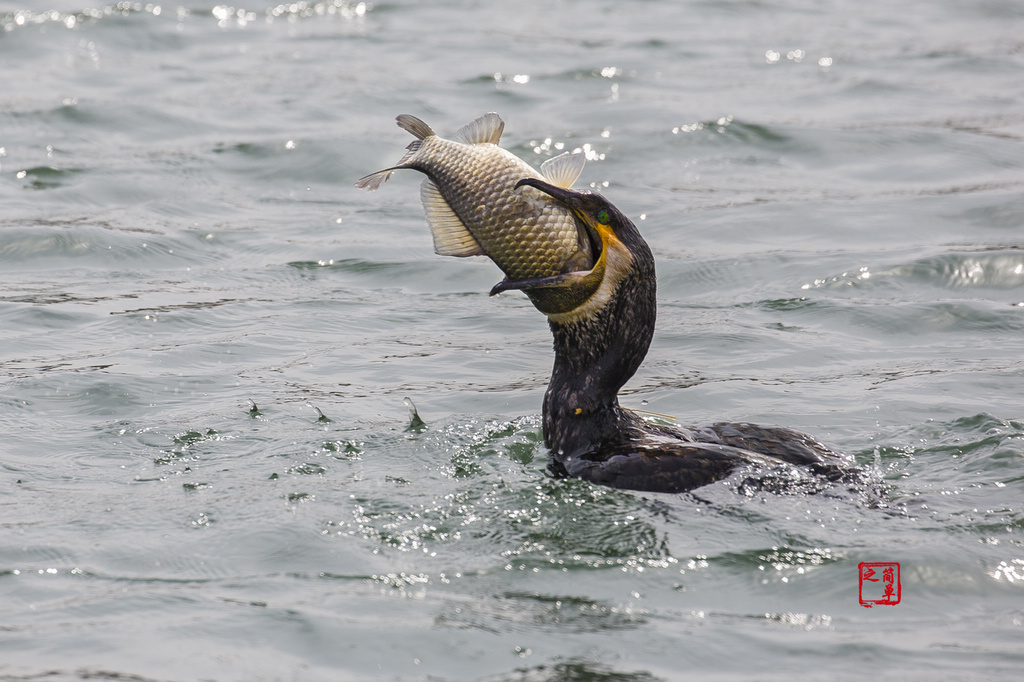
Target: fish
[474, 209]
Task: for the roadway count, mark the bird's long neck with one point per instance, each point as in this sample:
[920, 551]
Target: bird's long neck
[594, 357]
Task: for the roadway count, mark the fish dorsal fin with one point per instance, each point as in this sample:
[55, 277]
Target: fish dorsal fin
[485, 130]
[413, 125]
[451, 238]
[562, 170]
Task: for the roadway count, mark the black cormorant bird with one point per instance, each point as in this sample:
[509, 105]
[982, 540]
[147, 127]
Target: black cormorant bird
[602, 321]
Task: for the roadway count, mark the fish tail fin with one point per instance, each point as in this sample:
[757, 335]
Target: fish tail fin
[411, 124]
[375, 180]
[420, 130]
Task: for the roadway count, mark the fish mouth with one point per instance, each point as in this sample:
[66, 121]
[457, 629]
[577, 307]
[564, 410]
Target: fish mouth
[563, 293]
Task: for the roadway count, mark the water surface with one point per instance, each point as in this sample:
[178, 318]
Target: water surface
[206, 470]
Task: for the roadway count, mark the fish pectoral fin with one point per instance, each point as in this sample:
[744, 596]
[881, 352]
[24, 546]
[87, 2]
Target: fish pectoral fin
[564, 169]
[451, 237]
[485, 130]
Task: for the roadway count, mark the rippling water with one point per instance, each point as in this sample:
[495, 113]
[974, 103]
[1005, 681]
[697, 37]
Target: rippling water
[207, 469]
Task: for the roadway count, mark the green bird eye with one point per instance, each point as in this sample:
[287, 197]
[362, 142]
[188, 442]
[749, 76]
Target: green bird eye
[603, 217]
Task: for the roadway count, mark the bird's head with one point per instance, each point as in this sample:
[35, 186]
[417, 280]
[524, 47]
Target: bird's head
[621, 250]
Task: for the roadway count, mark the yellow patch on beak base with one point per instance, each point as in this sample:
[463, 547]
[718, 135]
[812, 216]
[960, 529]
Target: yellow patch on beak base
[615, 260]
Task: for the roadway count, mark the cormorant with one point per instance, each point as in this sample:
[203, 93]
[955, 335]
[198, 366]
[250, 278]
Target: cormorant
[602, 321]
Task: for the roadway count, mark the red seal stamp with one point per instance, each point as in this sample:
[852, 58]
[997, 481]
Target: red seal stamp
[878, 583]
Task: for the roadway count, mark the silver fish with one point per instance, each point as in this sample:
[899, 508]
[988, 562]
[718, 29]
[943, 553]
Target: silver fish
[473, 208]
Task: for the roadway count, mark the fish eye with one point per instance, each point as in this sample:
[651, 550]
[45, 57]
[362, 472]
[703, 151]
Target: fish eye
[603, 217]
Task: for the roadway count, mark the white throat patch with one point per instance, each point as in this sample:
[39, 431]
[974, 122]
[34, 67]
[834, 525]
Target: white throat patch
[618, 263]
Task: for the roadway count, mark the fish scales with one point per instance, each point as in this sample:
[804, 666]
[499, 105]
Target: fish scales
[526, 235]
[473, 208]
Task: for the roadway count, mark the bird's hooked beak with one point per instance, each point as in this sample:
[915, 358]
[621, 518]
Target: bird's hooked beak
[560, 294]
[570, 198]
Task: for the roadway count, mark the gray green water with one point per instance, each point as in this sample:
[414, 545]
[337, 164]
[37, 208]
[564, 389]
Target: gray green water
[833, 192]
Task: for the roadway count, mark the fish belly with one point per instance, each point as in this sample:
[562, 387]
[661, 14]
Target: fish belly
[525, 232]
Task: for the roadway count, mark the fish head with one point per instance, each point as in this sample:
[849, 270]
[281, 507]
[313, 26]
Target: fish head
[621, 253]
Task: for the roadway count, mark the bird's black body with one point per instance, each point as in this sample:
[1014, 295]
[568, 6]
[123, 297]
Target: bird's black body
[599, 346]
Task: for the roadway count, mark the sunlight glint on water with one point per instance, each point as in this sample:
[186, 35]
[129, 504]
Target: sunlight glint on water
[207, 468]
